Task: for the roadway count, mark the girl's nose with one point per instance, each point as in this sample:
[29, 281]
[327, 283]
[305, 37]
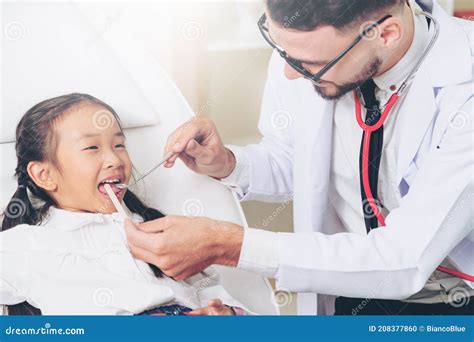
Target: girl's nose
[112, 160]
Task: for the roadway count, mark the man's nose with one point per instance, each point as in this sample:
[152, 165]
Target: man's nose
[291, 73]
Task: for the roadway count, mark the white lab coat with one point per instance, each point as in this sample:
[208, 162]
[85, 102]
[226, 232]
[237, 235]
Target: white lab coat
[293, 162]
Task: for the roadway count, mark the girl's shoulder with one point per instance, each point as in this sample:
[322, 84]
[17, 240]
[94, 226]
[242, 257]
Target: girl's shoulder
[17, 238]
[21, 228]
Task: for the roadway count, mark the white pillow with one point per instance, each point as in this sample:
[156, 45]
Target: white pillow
[44, 57]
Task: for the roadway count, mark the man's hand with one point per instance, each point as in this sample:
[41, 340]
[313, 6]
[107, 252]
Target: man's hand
[215, 308]
[200, 147]
[182, 246]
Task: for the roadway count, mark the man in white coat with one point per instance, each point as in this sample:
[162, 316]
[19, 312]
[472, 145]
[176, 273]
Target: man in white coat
[398, 242]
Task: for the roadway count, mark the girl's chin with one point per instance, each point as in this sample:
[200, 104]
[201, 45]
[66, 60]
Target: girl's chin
[107, 209]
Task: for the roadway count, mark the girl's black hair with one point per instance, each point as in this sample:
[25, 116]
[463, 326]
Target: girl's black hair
[36, 141]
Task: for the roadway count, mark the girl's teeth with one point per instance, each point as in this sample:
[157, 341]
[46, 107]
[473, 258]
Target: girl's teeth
[112, 181]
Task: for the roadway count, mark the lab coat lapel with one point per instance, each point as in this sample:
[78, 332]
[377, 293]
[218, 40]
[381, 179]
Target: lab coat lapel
[449, 63]
[311, 170]
[414, 118]
[311, 175]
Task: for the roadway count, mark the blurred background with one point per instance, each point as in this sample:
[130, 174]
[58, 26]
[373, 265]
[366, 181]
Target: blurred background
[215, 54]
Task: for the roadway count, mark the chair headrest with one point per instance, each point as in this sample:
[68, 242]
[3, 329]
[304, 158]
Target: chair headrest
[45, 61]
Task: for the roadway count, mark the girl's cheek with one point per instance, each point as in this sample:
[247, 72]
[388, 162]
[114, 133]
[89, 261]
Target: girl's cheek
[127, 166]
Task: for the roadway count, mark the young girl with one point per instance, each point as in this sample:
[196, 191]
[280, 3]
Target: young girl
[62, 247]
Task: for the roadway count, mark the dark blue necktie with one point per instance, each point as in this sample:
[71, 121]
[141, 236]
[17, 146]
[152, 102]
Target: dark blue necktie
[375, 151]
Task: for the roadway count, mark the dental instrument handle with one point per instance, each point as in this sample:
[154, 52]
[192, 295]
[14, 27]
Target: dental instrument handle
[167, 156]
[115, 201]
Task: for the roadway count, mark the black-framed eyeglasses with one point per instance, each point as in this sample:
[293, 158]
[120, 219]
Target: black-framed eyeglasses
[298, 65]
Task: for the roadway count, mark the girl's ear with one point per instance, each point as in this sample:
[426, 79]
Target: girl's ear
[43, 174]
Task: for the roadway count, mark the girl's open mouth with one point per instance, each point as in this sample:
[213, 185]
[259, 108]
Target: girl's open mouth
[112, 182]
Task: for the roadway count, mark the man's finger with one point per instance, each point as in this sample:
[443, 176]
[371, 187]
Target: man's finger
[173, 158]
[173, 142]
[215, 302]
[182, 135]
[137, 237]
[198, 312]
[156, 226]
[183, 274]
[195, 150]
[151, 258]
[144, 255]
[187, 160]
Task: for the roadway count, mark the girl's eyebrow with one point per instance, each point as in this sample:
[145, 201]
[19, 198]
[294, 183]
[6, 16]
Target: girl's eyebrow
[92, 135]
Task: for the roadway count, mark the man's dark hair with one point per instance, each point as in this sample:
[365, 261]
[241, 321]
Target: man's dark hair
[307, 15]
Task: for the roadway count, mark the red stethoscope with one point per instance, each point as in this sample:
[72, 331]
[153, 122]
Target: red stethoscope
[365, 166]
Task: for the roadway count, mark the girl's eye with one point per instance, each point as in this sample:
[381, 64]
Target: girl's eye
[120, 145]
[91, 148]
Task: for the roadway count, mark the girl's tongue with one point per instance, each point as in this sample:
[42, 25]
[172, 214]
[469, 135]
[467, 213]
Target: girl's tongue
[112, 186]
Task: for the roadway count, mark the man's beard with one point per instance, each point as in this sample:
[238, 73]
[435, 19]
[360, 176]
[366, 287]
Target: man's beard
[369, 71]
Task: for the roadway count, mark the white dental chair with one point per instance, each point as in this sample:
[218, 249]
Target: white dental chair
[50, 49]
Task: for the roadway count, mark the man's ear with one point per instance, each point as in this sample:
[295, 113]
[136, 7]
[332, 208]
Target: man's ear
[390, 32]
[43, 174]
